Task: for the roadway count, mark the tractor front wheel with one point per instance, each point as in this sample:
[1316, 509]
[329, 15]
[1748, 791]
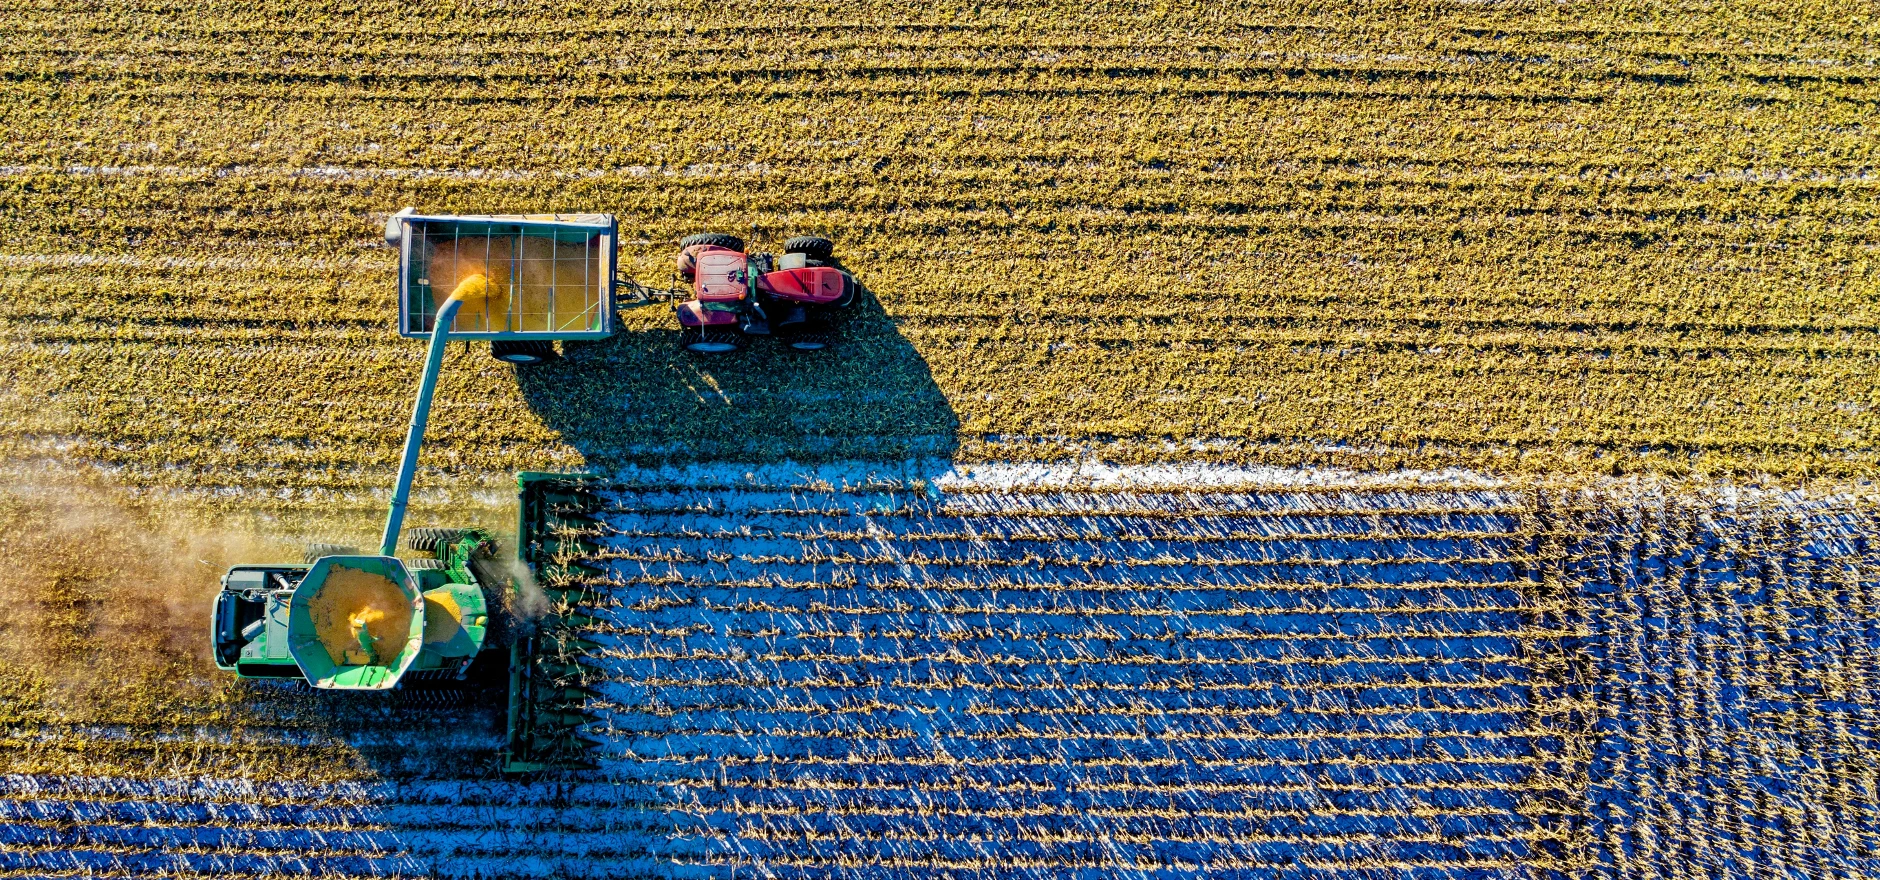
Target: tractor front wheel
[814, 247]
[523, 353]
[715, 239]
[711, 340]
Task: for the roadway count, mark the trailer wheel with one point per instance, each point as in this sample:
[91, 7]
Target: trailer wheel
[715, 239]
[813, 246]
[704, 340]
[431, 539]
[523, 353]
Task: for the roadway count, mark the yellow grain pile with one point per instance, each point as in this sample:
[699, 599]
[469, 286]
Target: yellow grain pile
[362, 618]
[526, 285]
[443, 617]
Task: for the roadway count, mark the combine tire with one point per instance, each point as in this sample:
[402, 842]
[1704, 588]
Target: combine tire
[711, 340]
[715, 239]
[813, 246]
[315, 551]
[431, 539]
[524, 353]
[424, 565]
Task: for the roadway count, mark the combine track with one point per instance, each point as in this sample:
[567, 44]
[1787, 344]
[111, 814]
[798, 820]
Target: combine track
[1017, 678]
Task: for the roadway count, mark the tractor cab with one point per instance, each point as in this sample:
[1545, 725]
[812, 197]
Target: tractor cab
[720, 275]
[737, 295]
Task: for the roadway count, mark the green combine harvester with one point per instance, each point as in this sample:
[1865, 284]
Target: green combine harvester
[347, 620]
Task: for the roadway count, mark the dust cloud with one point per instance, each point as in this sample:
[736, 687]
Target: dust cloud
[94, 581]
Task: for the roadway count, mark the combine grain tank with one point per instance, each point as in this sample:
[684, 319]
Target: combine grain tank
[360, 622]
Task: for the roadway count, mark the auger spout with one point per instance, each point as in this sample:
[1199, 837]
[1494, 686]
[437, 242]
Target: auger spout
[473, 289]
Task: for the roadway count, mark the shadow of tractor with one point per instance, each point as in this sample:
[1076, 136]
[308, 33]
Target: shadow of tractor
[639, 398]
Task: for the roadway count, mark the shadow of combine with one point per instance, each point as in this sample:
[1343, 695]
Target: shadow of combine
[639, 398]
[436, 733]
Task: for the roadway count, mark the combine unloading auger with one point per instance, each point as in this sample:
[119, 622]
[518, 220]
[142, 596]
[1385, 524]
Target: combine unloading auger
[347, 620]
[344, 620]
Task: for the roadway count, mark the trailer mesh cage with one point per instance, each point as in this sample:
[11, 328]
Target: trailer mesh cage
[550, 276]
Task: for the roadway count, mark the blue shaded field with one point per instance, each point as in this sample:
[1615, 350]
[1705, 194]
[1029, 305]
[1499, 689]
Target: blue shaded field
[1737, 655]
[1162, 684]
[1329, 684]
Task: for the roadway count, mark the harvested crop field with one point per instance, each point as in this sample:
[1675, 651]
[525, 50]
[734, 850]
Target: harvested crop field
[1509, 235]
[1369, 442]
[1241, 674]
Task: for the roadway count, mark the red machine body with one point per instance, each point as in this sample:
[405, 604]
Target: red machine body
[720, 275]
[819, 285]
[736, 295]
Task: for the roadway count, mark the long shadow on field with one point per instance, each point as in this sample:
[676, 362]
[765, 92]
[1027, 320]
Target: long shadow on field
[639, 397]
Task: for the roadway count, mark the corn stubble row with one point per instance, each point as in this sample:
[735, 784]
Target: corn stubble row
[1474, 238]
[1605, 665]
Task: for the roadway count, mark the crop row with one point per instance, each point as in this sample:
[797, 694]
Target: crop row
[160, 426]
[1461, 239]
[988, 649]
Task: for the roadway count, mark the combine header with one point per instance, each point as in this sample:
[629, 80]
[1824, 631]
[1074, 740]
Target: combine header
[547, 683]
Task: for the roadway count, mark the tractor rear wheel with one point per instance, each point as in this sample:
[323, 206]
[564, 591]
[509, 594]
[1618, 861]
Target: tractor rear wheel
[813, 246]
[711, 340]
[715, 239]
[523, 353]
[431, 539]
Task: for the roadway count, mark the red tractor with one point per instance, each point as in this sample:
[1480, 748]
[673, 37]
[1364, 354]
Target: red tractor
[736, 295]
